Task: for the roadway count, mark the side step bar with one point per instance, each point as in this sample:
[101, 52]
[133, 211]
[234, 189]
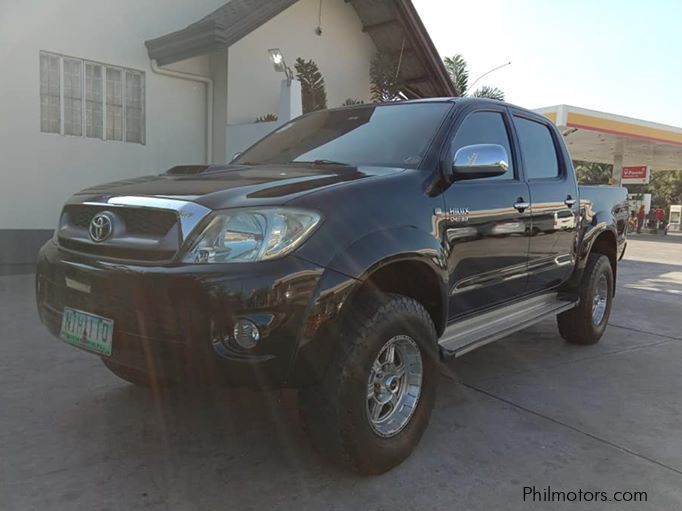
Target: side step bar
[463, 336]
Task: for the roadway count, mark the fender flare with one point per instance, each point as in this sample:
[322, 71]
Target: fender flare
[586, 243]
[345, 275]
[380, 248]
[589, 239]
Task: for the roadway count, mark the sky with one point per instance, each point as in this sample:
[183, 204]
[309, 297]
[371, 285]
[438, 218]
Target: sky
[622, 57]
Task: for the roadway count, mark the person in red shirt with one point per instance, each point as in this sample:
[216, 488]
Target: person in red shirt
[641, 215]
[660, 217]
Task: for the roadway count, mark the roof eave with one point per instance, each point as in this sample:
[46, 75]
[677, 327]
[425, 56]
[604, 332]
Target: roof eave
[210, 34]
[197, 39]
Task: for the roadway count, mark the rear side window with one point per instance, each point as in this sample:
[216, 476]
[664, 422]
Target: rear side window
[484, 128]
[537, 149]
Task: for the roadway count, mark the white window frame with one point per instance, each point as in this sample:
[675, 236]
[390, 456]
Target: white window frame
[104, 68]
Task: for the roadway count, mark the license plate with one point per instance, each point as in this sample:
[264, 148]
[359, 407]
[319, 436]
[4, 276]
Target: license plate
[87, 331]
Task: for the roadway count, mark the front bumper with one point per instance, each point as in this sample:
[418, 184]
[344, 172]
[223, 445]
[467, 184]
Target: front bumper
[177, 321]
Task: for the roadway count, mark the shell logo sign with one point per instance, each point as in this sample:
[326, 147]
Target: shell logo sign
[635, 175]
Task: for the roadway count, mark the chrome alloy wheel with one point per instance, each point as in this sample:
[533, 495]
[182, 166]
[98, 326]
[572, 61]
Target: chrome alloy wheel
[599, 300]
[394, 386]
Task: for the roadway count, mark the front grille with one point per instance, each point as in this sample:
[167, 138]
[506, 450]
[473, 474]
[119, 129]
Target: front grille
[116, 252]
[142, 221]
[137, 234]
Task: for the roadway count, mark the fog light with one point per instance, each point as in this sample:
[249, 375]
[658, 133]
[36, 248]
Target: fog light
[246, 334]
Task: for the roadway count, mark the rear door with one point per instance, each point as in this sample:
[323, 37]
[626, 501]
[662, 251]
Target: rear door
[554, 202]
[486, 227]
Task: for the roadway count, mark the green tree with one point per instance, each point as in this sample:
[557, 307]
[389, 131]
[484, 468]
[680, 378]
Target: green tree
[665, 187]
[458, 71]
[313, 92]
[593, 173]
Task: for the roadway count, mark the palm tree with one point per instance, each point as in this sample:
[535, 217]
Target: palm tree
[489, 92]
[459, 74]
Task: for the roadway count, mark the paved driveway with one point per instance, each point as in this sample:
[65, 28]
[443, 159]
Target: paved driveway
[528, 411]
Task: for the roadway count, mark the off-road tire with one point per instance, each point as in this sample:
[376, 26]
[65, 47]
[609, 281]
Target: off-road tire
[335, 412]
[576, 325]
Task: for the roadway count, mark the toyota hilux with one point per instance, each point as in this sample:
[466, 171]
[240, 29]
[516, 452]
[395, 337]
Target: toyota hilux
[346, 255]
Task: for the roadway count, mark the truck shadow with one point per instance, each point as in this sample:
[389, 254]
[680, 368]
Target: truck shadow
[218, 435]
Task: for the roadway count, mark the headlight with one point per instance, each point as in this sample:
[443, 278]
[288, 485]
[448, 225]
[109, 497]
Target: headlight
[243, 235]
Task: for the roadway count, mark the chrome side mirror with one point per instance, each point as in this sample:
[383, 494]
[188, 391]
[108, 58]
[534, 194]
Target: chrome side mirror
[480, 160]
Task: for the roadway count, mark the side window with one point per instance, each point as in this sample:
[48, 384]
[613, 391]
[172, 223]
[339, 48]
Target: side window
[484, 128]
[537, 148]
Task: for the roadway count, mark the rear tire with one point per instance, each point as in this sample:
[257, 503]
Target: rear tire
[364, 415]
[586, 323]
[135, 376]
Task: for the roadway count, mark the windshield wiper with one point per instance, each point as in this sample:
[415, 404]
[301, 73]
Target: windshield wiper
[322, 162]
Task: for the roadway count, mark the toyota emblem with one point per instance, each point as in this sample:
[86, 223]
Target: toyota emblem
[101, 227]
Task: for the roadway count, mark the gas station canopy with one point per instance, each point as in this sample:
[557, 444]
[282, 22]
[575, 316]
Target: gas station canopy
[607, 138]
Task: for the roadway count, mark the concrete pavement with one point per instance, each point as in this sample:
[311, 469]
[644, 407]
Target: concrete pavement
[529, 410]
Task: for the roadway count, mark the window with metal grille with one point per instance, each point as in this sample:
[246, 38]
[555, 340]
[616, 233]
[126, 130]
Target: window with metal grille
[73, 97]
[134, 107]
[94, 88]
[50, 95]
[114, 104]
[84, 98]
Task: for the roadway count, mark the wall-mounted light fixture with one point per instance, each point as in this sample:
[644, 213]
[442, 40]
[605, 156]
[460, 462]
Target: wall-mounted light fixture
[278, 62]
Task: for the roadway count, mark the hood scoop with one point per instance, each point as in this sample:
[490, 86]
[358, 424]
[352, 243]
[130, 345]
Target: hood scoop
[187, 170]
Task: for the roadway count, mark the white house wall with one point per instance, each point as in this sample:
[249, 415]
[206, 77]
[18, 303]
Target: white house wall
[40, 170]
[343, 53]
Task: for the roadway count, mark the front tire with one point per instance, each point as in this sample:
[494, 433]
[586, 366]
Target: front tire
[375, 400]
[586, 323]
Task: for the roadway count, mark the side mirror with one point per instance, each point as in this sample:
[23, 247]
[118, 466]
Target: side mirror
[479, 160]
[236, 155]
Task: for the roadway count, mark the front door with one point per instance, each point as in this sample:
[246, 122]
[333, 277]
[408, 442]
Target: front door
[486, 223]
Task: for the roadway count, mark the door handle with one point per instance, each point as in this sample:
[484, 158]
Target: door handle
[570, 201]
[521, 205]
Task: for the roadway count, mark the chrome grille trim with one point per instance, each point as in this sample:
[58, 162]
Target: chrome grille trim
[189, 213]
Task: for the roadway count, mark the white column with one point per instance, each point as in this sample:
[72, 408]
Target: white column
[290, 103]
[617, 173]
[218, 65]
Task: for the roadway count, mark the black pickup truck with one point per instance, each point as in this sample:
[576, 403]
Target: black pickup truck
[346, 255]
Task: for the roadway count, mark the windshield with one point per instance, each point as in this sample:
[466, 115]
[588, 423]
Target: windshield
[379, 135]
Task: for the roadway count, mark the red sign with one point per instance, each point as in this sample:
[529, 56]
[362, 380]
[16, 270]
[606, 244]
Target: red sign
[638, 174]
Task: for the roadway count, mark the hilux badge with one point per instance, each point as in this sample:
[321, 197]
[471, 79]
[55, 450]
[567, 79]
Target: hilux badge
[101, 227]
[454, 214]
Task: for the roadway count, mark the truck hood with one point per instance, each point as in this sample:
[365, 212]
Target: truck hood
[236, 185]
